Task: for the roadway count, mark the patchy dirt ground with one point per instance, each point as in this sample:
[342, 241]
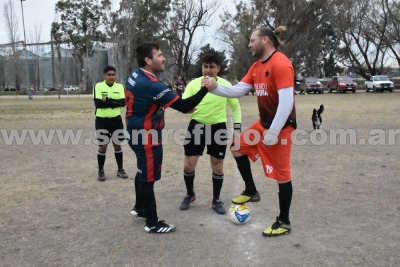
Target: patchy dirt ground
[345, 209]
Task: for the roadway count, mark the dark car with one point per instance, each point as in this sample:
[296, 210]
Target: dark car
[25, 92]
[52, 89]
[9, 90]
[342, 84]
[311, 84]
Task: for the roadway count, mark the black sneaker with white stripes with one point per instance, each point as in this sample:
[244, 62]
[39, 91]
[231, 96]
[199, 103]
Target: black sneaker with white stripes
[160, 228]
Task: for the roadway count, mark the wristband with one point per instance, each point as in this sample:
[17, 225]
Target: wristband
[237, 127]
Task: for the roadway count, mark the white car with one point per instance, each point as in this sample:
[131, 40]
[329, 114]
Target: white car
[379, 83]
[70, 88]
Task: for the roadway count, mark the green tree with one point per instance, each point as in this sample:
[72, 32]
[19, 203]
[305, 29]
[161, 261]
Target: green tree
[330, 66]
[308, 40]
[79, 27]
[235, 31]
[205, 50]
[11, 28]
[136, 22]
[368, 31]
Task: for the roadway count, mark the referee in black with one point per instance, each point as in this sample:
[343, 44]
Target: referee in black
[109, 97]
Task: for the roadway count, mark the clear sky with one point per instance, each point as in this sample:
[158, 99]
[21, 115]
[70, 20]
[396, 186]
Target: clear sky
[36, 12]
[41, 13]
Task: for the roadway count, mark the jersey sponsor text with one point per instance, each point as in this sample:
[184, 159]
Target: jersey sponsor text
[261, 93]
[161, 94]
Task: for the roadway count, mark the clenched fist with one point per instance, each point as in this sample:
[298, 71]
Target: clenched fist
[271, 137]
[209, 82]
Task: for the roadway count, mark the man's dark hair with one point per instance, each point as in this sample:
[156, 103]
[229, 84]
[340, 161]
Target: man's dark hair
[108, 68]
[145, 50]
[211, 58]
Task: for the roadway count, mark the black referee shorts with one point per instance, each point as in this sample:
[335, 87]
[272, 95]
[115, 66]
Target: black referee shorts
[214, 136]
[106, 127]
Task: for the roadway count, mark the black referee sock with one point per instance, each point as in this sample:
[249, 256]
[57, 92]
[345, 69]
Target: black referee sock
[217, 185]
[243, 164]
[285, 199]
[119, 157]
[189, 182]
[101, 158]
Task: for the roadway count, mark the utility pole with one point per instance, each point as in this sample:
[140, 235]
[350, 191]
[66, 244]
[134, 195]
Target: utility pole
[26, 51]
[53, 72]
[85, 61]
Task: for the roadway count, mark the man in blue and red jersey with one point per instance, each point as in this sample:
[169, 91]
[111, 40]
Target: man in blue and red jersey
[179, 86]
[146, 99]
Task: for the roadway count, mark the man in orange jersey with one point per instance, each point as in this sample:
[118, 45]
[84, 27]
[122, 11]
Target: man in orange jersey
[269, 138]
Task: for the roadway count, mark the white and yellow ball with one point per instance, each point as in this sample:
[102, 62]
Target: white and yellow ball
[239, 213]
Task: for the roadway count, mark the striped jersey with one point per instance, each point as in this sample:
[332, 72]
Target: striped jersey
[146, 99]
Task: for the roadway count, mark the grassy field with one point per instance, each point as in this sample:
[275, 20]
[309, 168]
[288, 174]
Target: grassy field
[345, 209]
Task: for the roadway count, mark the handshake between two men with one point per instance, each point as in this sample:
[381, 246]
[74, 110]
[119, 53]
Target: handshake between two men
[270, 137]
[209, 82]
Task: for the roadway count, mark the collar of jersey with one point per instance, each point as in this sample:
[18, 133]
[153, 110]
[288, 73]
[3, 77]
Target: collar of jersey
[108, 85]
[148, 72]
[265, 60]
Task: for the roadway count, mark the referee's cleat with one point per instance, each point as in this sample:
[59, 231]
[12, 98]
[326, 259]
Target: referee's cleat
[122, 174]
[185, 205]
[101, 176]
[277, 228]
[245, 197]
[160, 228]
[218, 206]
[136, 213]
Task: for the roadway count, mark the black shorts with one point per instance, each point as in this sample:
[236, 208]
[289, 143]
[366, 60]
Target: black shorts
[106, 130]
[214, 136]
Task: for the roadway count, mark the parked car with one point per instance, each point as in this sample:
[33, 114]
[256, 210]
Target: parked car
[342, 84]
[52, 89]
[25, 92]
[379, 83]
[394, 74]
[9, 90]
[311, 84]
[71, 88]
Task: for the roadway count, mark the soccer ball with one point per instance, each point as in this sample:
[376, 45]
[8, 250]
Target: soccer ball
[239, 214]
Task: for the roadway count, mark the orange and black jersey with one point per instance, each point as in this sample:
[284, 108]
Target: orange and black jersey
[267, 77]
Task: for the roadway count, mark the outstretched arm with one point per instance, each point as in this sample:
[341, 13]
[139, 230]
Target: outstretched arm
[235, 91]
[186, 105]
